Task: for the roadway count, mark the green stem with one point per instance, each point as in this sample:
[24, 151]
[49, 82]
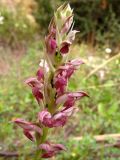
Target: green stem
[38, 155]
[40, 140]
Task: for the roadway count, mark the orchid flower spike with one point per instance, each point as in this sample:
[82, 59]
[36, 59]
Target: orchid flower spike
[49, 85]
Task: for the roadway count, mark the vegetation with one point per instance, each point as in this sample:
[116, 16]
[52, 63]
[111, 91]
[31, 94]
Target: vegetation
[15, 27]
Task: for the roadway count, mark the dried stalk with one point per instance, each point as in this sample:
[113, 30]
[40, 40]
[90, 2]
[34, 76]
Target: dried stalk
[102, 65]
[102, 138]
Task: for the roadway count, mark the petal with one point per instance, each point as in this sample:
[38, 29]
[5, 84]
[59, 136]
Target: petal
[53, 44]
[78, 94]
[62, 99]
[75, 62]
[50, 149]
[44, 114]
[48, 154]
[57, 120]
[68, 111]
[45, 118]
[38, 95]
[63, 74]
[40, 74]
[23, 124]
[67, 24]
[60, 121]
[36, 85]
[59, 147]
[71, 36]
[68, 99]
[69, 102]
[33, 82]
[60, 84]
[27, 125]
[65, 48]
[37, 129]
[52, 28]
[43, 64]
[69, 67]
[29, 135]
[45, 146]
[50, 44]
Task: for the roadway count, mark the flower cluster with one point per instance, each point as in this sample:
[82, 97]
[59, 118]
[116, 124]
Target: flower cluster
[49, 86]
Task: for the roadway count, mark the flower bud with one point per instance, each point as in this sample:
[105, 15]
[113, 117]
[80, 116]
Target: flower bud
[50, 149]
[50, 44]
[62, 13]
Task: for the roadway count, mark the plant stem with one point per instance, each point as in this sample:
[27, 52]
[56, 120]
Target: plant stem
[38, 155]
[40, 140]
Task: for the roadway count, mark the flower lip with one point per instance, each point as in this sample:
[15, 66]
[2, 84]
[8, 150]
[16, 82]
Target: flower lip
[27, 125]
[29, 128]
[58, 119]
[70, 96]
[50, 149]
[63, 73]
[75, 63]
[36, 85]
[65, 47]
[33, 82]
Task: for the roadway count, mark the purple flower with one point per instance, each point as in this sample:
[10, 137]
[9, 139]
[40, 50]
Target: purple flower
[60, 82]
[51, 121]
[68, 99]
[63, 74]
[36, 86]
[28, 128]
[40, 74]
[50, 44]
[50, 149]
[58, 119]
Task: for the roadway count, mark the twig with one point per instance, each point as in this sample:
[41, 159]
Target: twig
[102, 65]
[9, 154]
[13, 154]
[117, 145]
[102, 138]
[112, 155]
[102, 86]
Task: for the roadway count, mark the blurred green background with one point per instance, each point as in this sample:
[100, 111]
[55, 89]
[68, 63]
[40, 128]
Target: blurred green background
[23, 25]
